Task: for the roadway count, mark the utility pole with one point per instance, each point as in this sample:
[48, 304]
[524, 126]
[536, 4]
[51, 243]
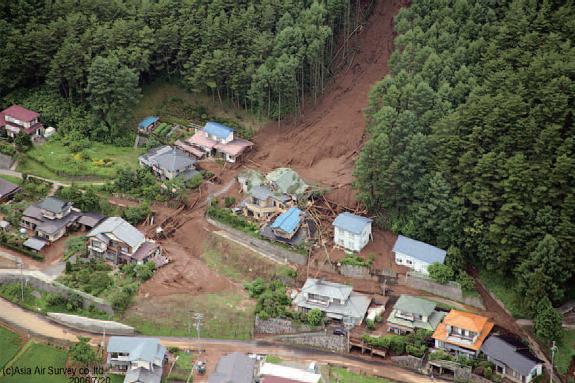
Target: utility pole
[553, 351]
[198, 317]
[21, 281]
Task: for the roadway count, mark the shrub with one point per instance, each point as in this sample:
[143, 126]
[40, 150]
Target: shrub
[440, 273]
[466, 282]
[547, 321]
[355, 260]
[315, 317]
[488, 372]
[370, 323]
[440, 355]
[229, 201]
[227, 217]
[82, 352]
[417, 351]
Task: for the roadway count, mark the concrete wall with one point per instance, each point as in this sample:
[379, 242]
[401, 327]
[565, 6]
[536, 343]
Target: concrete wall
[355, 271]
[278, 326]
[259, 245]
[56, 288]
[91, 325]
[452, 290]
[323, 340]
[409, 361]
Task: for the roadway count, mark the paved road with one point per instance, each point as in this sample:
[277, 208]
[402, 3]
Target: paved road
[36, 324]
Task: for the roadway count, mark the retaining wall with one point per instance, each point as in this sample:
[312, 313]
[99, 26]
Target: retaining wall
[280, 254]
[410, 362]
[321, 340]
[56, 288]
[91, 325]
[355, 271]
[278, 326]
[452, 290]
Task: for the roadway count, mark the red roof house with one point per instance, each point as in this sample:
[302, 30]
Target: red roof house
[17, 119]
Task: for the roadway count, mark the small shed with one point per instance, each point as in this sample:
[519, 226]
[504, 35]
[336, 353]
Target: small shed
[351, 231]
[49, 132]
[4, 225]
[35, 244]
[148, 124]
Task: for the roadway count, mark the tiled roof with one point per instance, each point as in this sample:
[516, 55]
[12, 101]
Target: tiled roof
[235, 367]
[53, 204]
[419, 250]
[20, 113]
[513, 354]
[414, 305]
[147, 349]
[121, 230]
[463, 320]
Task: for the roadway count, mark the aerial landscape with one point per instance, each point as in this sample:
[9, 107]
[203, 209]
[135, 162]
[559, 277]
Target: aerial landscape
[283, 191]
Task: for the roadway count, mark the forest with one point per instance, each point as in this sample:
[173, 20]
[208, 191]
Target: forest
[471, 139]
[87, 59]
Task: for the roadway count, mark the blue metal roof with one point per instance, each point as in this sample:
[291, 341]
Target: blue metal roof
[351, 222]
[419, 250]
[216, 129]
[148, 121]
[288, 221]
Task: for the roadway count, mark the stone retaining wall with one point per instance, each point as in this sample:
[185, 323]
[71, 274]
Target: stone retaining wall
[259, 245]
[410, 362]
[452, 290]
[321, 340]
[91, 325]
[355, 271]
[56, 288]
[278, 326]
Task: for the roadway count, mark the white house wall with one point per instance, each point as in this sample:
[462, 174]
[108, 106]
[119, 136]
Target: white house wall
[413, 263]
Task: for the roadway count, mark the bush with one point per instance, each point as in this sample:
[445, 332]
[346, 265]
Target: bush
[466, 282]
[355, 260]
[440, 273]
[272, 300]
[440, 355]
[417, 351]
[370, 324]
[229, 202]
[393, 343]
[488, 372]
[136, 214]
[315, 317]
[82, 352]
[227, 217]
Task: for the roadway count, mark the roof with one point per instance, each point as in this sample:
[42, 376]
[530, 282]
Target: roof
[419, 250]
[34, 212]
[53, 204]
[121, 229]
[90, 219]
[234, 147]
[145, 250]
[168, 159]
[327, 289]
[414, 305]
[350, 222]
[287, 181]
[467, 321]
[234, 368]
[147, 349]
[20, 113]
[261, 192]
[277, 379]
[35, 243]
[221, 131]
[288, 221]
[188, 148]
[200, 139]
[142, 375]
[52, 226]
[7, 188]
[511, 353]
[148, 121]
[299, 375]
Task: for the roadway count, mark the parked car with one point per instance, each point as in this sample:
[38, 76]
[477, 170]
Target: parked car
[340, 331]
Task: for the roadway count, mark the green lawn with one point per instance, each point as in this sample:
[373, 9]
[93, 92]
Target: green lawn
[14, 180]
[503, 289]
[38, 355]
[566, 351]
[342, 375]
[9, 344]
[53, 160]
[228, 315]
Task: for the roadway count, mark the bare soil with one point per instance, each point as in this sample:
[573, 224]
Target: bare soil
[323, 145]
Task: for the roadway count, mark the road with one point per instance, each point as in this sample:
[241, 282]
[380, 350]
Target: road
[35, 324]
[56, 183]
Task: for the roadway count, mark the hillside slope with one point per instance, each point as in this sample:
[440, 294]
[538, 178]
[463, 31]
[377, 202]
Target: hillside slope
[323, 145]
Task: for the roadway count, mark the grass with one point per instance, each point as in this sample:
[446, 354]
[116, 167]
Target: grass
[273, 359]
[53, 160]
[227, 315]
[9, 344]
[503, 289]
[342, 375]
[237, 262]
[185, 360]
[565, 351]
[38, 355]
[13, 179]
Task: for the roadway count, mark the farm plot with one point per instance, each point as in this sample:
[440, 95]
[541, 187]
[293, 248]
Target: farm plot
[9, 344]
[38, 355]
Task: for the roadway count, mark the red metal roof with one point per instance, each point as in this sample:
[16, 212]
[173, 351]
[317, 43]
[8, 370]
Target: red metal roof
[20, 113]
[277, 379]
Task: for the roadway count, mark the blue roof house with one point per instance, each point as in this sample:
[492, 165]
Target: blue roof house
[352, 232]
[148, 124]
[416, 255]
[219, 132]
[287, 223]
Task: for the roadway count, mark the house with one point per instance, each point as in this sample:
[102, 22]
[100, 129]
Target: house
[337, 301]
[216, 140]
[512, 358]
[167, 163]
[416, 255]
[287, 223]
[7, 190]
[234, 368]
[410, 313]
[263, 203]
[277, 373]
[141, 359]
[88, 221]
[351, 231]
[16, 119]
[148, 124]
[462, 333]
[286, 180]
[117, 241]
[49, 219]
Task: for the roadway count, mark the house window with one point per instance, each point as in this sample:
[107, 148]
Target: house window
[408, 261]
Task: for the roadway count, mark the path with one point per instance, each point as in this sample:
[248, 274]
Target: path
[38, 325]
[56, 183]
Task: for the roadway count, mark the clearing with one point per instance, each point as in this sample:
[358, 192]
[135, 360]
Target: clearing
[42, 356]
[9, 344]
[53, 160]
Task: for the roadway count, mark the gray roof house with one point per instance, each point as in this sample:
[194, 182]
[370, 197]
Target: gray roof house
[142, 359]
[336, 300]
[351, 231]
[50, 218]
[167, 162]
[234, 368]
[410, 313]
[416, 255]
[512, 358]
[118, 241]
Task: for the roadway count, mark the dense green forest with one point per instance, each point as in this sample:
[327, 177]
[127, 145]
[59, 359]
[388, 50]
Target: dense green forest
[263, 55]
[472, 144]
